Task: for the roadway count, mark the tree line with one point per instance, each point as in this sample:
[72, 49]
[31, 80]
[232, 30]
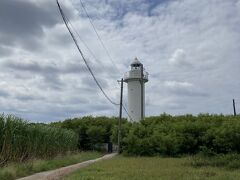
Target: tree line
[161, 135]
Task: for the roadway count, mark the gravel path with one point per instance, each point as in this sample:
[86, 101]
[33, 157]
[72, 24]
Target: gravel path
[59, 173]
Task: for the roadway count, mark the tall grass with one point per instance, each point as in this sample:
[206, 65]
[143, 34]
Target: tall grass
[20, 140]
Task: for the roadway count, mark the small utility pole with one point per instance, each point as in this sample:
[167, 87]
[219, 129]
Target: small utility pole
[234, 109]
[120, 119]
[142, 84]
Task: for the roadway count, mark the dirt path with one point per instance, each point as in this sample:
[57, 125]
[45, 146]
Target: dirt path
[58, 173]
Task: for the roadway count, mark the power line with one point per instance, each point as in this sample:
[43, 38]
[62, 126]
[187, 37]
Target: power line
[66, 22]
[85, 44]
[93, 55]
[85, 61]
[98, 36]
[100, 39]
[127, 112]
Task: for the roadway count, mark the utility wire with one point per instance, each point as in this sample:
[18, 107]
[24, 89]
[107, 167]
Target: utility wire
[85, 44]
[125, 109]
[66, 22]
[90, 51]
[100, 39]
[85, 61]
[98, 36]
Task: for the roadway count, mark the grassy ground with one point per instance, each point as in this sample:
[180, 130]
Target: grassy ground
[16, 170]
[156, 168]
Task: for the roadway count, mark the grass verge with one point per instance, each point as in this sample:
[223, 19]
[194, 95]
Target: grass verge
[151, 168]
[228, 161]
[17, 170]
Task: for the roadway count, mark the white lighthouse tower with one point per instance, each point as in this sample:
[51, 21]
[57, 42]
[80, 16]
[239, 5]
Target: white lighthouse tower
[136, 79]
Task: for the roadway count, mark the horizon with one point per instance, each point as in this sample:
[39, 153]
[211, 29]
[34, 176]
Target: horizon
[117, 117]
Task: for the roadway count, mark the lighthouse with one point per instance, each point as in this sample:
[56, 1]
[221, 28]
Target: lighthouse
[136, 79]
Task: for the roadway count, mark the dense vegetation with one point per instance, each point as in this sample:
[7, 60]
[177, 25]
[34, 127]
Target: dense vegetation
[91, 130]
[20, 141]
[177, 135]
[161, 135]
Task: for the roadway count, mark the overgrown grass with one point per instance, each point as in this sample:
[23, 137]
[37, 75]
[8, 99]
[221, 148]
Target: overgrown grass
[151, 168]
[16, 170]
[228, 161]
[21, 141]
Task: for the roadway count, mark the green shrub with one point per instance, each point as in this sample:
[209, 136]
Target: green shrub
[178, 135]
[91, 130]
[161, 135]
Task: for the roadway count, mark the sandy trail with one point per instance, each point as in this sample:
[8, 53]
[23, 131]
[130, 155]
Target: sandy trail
[59, 173]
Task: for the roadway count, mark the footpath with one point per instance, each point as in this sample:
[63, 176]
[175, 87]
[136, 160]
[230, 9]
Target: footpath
[59, 173]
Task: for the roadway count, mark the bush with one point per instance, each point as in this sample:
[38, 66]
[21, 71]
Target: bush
[161, 135]
[91, 130]
[178, 135]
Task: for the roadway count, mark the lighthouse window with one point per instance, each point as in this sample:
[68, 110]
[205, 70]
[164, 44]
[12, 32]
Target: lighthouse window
[136, 65]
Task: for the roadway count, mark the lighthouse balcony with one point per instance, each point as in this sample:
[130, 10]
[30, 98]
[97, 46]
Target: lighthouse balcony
[135, 75]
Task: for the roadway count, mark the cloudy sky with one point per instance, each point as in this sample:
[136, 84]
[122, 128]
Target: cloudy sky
[190, 48]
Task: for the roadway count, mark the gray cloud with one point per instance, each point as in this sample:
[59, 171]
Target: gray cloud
[190, 49]
[4, 51]
[88, 81]
[3, 93]
[51, 72]
[27, 97]
[23, 22]
[41, 68]
[184, 89]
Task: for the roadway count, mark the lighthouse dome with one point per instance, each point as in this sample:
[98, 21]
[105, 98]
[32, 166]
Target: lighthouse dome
[136, 62]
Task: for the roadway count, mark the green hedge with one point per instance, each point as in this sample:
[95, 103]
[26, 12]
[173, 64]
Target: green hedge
[161, 135]
[177, 135]
[91, 130]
